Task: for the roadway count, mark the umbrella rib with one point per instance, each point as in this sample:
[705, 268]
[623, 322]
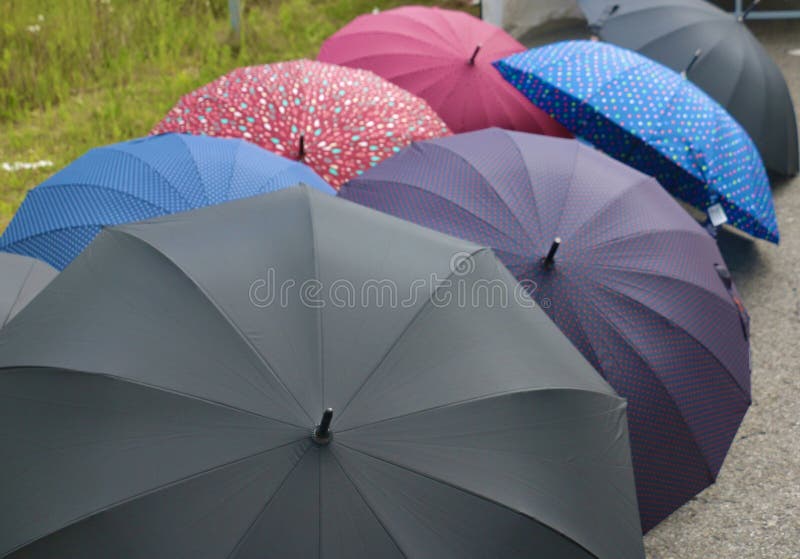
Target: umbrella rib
[402, 335]
[635, 349]
[149, 166]
[314, 256]
[660, 38]
[152, 491]
[5, 319]
[466, 401]
[369, 505]
[451, 202]
[226, 318]
[495, 194]
[266, 506]
[472, 493]
[675, 325]
[170, 391]
[607, 205]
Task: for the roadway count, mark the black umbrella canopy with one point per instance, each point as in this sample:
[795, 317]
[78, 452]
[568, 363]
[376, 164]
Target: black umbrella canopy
[167, 396]
[718, 53]
[21, 279]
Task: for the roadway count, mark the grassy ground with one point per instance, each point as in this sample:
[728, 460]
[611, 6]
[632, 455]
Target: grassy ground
[79, 73]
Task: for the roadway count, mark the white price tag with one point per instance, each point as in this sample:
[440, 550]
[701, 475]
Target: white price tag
[717, 215]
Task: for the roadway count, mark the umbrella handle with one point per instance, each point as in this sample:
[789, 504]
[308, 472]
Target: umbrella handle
[744, 319]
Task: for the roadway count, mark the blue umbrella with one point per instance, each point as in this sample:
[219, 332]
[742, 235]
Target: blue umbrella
[653, 119]
[141, 179]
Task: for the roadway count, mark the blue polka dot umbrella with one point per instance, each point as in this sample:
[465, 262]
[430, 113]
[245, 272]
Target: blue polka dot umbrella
[653, 119]
[138, 180]
[339, 121]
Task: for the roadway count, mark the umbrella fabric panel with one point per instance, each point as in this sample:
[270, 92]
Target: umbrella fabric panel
[650, 118]
[175, 338]
[457, 448]
[733, 67]
[116, 443]
[337, 120]
[21, 279]
[429, 52]
[141, 179]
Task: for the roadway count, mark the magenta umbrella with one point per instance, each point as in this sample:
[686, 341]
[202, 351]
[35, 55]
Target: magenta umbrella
[445, 57]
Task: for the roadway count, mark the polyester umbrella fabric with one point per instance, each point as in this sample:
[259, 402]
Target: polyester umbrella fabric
[637, 285]
[21, 279]
[141, 179]
[649, 117]
[337, 120]
[163, 398]
[731, 65]
[445, 57]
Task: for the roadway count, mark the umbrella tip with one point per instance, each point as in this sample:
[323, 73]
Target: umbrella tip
[747, 11]
[301, 151]
[694, 59]
[322, 434]
[549, 260]
[474, 54]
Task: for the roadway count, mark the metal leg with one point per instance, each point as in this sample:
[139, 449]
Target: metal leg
[738, 10]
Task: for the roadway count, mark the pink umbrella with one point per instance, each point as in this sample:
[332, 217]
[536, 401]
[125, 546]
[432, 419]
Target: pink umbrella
[339, 121]
[445, 57]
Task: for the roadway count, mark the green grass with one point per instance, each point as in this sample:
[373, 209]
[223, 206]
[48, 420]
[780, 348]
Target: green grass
[75, 74]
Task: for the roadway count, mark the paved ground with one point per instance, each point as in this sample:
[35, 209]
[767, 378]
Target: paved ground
[753, 511]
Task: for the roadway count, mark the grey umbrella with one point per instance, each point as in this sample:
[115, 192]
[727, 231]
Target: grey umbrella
[21, 279]
[297, 376]
[718, 53]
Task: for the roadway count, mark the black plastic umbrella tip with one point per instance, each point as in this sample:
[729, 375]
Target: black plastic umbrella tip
[322, 434]
[474, 55]
[550, 258]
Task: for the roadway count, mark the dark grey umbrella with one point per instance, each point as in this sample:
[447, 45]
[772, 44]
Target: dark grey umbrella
[719, 54]
[21, 279]
[165, 397]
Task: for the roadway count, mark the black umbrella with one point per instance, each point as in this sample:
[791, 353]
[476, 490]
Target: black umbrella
[168, 396]
[21, 279]
[718, 53]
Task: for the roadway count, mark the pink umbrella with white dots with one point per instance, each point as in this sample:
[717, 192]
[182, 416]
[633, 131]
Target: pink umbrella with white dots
[340, 121]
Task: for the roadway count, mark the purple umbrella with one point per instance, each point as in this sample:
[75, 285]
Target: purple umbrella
[636, 284]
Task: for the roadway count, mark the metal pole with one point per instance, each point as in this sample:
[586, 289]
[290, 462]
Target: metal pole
[235, 10]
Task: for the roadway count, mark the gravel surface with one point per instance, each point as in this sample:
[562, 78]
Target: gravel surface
[753, 511]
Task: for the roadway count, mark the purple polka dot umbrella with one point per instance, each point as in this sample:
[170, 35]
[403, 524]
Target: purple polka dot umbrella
[337, 120]
[634, 282]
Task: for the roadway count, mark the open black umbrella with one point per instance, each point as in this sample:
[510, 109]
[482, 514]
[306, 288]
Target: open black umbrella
[718, 53]
[298, 376]
[21, 279]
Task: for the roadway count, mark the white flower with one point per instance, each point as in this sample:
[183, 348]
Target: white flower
[34, 28]
[40, 17]
[376, 10]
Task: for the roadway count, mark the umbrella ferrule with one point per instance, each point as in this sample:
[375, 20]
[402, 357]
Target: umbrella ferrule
[695, 58]
[301, 151]
[474, 55]
[747, 11]
[549, 260]
[322, 434]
